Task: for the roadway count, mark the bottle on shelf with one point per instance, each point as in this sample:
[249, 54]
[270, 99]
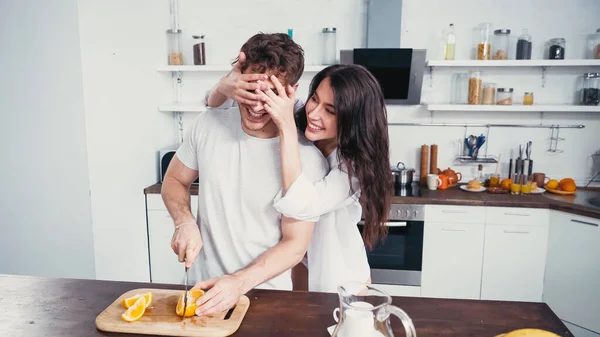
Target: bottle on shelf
[449, 49]
[524, 46]
[199, 52]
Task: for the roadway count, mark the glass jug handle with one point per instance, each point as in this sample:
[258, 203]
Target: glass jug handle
[406, 321]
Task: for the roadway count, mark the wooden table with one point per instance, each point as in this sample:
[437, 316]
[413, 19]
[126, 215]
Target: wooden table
[31, 306]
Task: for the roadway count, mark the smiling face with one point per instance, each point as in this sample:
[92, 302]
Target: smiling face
[255, 119]
[320, 115]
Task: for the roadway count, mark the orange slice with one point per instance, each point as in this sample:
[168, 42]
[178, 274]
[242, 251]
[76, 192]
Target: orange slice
[192, 296]
[134, 312]
[127, 302]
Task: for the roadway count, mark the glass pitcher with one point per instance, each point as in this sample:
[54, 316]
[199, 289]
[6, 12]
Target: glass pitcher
[365, 312]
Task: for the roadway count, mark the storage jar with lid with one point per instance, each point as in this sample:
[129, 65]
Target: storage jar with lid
[556, 49]
[501, 42]
[524, 46]
[199, 52]
[484, 45]
[474, 87]
[175, 55]
[329, 45]
[460, 88]
[590, 91]
[594, 45]
[489, 93]
[528, 98]
[504, 96]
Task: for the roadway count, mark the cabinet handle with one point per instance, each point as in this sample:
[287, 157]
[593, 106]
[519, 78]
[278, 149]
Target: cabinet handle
[516, 232]
[517, 214]
[388, 224]
[585, 223]
[454, 212]
[453, 230]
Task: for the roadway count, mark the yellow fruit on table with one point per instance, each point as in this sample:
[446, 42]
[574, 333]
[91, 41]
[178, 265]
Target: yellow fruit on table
[505, 184]
[530, 333]
[192, 296]
[127, 302]
[136, 311]
[552, 184]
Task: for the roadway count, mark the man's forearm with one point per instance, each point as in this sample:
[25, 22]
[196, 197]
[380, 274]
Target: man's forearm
[281, 257]
[176, 197]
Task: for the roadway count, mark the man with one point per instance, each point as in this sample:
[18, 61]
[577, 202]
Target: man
[235, 154]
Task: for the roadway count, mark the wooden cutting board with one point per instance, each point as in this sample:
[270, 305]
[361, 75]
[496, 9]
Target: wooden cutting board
[160, 317]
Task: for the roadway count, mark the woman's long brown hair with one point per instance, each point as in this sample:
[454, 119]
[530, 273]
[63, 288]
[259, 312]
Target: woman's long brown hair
[362, 137]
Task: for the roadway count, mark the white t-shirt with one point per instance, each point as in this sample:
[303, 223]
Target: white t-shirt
[239, 175]
[337, 251]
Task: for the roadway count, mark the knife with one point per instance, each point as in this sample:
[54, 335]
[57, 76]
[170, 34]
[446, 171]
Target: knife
[185, 293]
[530, 162]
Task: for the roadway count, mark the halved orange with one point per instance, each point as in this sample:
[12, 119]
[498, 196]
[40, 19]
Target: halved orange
[134, 312]
[192, 296]
[127, 302]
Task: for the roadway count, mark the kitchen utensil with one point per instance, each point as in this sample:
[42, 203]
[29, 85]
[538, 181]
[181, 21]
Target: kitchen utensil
[540, 179]
[444, 182]
[558, 192]
[530, 161]
[160, 318]
[402, 176]
[433, 181]
[424, 165]
[453, 177]
[434, 158]
[185, 292]
[464, 188]
[365, 311]
[510, 165]
[538, 190]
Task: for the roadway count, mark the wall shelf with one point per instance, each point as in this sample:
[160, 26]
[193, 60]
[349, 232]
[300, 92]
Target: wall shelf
[514, 63]
[223, 68]
[182, 107]
[513, 108]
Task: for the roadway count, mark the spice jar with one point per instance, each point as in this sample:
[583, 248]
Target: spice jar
[524, 46]
[590, 91]
[175, 55]
[504, 96]
[474, 88]
[528, 98]
[556, 51]
[501, 42]
[484, 46]
[329, 45]
[594, 45]
[199, 53]
[489, 93]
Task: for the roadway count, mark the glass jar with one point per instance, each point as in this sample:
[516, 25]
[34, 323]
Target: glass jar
[489, 93]
[501, 42]
[460, 88]
[484, 46]
[329, 45]
[528, 98]
[524, 46]
[594, 45]
[556, 49]
[474, 87]
[175, 55]
[590, 91]
[504, 96]
[199, 52]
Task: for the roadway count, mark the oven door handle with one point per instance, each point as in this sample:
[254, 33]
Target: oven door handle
[389, 223]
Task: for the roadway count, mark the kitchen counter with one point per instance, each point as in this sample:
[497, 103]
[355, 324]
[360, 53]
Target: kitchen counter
[575, 204]
[33, 306]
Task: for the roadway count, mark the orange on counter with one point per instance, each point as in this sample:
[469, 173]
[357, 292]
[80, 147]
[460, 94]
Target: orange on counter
[192, 296]
[128, 302]
[134, 312]
[505, 184]
[567, 185]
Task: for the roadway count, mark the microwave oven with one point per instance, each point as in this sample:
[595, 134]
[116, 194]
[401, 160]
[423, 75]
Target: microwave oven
[165, 157]
[398, 70]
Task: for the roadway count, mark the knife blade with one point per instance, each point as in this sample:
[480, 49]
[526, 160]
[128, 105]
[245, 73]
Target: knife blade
[185, 293]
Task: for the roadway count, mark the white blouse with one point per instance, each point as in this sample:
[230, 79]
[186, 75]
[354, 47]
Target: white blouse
[337, 252]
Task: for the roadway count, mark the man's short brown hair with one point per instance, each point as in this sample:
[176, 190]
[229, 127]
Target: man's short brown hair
[277, 53]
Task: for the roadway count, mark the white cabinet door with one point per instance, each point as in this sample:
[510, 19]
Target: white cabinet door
[452, 258]
[514, 257]
[572, 280]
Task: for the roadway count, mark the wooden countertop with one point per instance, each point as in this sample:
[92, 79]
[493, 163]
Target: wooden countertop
[32, 306]
[575, 204]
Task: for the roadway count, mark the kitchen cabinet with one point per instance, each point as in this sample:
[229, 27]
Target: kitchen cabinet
[572, 277]
[452, 260]
[514, 257]
[164, 266]
[399, 290]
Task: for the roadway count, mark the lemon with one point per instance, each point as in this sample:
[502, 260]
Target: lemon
[552, 184]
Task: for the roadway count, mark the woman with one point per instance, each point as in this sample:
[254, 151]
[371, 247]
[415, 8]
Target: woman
[345, 116]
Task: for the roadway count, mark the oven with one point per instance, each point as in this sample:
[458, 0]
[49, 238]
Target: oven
[398, 259]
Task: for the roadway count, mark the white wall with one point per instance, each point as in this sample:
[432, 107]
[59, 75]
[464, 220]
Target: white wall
[45, 203]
